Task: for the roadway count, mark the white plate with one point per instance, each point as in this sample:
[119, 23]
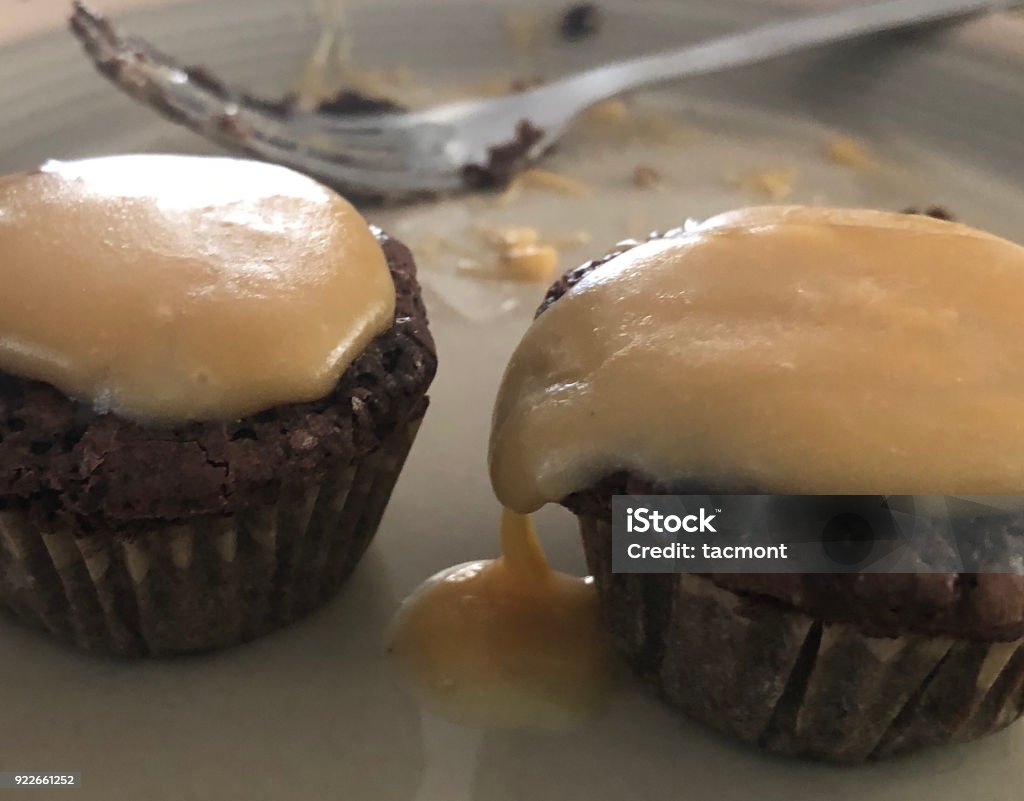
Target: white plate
[312, 712]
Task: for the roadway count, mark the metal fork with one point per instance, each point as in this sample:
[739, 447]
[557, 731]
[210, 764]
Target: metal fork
[448, 147]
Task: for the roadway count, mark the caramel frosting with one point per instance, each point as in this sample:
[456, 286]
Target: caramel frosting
[173, 287]
[787, 349]
[507, 642]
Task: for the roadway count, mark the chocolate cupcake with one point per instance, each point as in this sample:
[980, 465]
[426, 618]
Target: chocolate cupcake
[790, 351]
[211, 372]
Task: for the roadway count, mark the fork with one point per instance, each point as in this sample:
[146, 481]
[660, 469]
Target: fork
[458, 145]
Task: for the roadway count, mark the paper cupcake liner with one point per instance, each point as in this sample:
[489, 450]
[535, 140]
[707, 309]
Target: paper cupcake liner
[204, 583]
[791, 684]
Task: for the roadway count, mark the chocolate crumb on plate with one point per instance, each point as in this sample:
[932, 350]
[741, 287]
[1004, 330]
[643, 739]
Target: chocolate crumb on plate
[938, 212]
[580, 21]
[646, 177]
[519, 85]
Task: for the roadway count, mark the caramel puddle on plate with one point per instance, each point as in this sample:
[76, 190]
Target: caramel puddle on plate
[505, 643]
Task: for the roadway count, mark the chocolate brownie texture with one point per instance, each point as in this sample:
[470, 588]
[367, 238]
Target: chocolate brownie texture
[73, 468]
[980, 607]
[984, 607]
[772, 676]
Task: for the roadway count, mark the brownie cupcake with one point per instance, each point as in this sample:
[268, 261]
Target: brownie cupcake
[790, 351]
[211, 372]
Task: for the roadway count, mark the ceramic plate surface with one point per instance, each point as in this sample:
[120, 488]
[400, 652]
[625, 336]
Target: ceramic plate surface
[312, 712]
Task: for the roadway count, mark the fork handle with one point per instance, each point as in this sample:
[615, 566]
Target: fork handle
[768, 41]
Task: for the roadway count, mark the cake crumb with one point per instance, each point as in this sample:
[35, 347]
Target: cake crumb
[504, 162]
[622, 122]
[645, 177]
[580, 21]
[665, 129]
[530, 263]
[507, 238]
[938, 212]
[521, 255]
[850, 152]
[545, 180]
[355, 101]
[774, 183]
[522, 29]
[500, 253]
[607, 112]
[550, 181]
[489, 87]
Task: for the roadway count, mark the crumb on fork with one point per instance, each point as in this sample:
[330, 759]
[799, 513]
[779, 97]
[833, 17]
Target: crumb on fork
[505, 161]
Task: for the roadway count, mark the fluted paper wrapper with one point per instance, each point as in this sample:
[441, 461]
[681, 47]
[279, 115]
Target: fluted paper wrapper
[205, 583]
[788, 683]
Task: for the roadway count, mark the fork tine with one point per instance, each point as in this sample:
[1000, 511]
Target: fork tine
[195, 98]
[386, 156]
[388, 181]
[288, 140]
